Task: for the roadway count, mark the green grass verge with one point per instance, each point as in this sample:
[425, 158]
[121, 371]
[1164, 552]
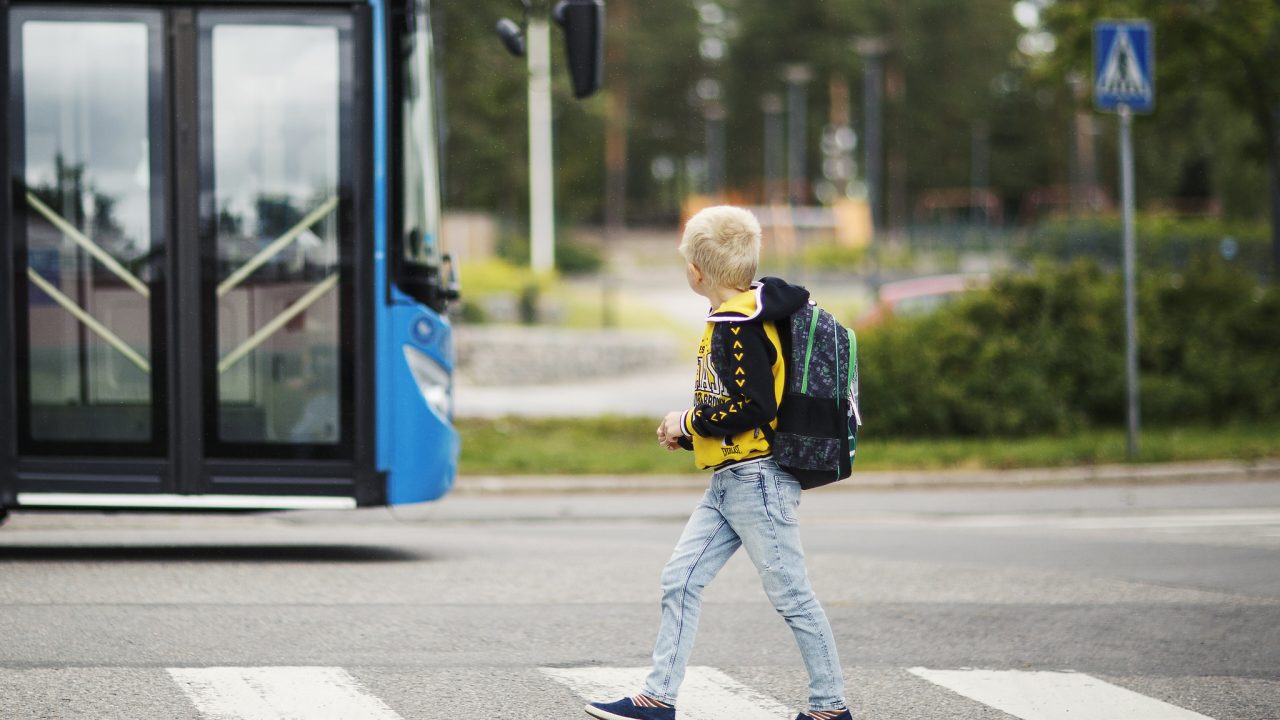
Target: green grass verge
[607, 446]
[625, 446]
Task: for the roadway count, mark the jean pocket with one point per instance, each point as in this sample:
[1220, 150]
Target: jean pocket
[787, 491]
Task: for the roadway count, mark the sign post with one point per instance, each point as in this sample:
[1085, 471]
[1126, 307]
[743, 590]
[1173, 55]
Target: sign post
[1124, 83]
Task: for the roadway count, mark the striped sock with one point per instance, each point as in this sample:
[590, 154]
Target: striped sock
[826, 714]
[643, 700]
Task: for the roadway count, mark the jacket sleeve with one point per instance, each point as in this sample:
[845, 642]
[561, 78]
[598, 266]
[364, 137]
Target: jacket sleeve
[742, 357]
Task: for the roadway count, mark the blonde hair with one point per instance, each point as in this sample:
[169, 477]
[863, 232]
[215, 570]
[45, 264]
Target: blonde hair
[724, 242]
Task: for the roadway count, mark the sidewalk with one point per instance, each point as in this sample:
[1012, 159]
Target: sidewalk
[1163, 473]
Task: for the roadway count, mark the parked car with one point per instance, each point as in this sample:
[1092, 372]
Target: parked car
[920, 296]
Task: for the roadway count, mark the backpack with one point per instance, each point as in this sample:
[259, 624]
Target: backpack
[818, 419]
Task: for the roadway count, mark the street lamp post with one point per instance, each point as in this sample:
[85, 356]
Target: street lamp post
[797, 77]
[979, 167]
[542, 219]
[872, 51]
[771, 104]
[583, 24]
[714, 115]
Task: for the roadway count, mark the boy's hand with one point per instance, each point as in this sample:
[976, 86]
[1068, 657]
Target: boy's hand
[669, 431]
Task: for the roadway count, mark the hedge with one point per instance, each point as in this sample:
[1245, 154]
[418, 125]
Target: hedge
[1161, 242]
[1044, 353]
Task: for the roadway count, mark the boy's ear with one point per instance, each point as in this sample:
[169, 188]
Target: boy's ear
[697, 272]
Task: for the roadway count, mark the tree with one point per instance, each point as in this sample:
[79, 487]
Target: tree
[949, 65]
[1229, 48]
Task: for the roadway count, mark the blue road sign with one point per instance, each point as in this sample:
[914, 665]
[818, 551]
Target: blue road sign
[1124, 65]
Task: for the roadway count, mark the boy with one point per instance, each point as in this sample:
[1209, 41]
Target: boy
[751, 502]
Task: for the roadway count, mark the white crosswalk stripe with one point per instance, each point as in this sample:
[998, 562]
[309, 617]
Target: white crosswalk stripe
[328, 693]
[707, 693]
[279, 693]
[1054, 695]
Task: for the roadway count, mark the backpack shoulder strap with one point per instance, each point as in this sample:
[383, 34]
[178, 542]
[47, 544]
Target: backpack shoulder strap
[808, 350]
[853, 376]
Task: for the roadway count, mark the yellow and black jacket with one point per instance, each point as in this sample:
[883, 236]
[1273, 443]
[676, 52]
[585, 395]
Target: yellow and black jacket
[741, 375]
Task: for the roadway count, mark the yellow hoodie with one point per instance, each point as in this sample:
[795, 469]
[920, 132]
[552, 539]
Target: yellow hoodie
[740, 380]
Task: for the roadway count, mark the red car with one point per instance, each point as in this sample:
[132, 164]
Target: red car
[919, 296]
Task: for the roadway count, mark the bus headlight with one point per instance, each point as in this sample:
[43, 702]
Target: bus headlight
[433, 381]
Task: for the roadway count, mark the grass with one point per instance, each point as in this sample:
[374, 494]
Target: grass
[625, 446]
[609, 445]
[579, 299]
[582, 303]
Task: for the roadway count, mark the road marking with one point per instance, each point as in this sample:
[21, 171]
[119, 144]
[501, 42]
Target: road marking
[707, 693]
[1054, 695]
[279, 693]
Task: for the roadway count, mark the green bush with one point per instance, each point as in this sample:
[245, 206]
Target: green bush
[492, 276]
[1044, 353]
[831, 255]
[1161, 241]
[572, 256]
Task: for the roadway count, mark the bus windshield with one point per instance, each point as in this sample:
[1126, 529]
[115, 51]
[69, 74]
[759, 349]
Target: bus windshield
[421, 199]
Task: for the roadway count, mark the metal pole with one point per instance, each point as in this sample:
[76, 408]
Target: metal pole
[771, 104]
[1274, 164]
[1076, 82]
[542, 220]
[617, 102]
[979, 160]
[872, 50]
[1130, 294]
[714, 116]
[797, 77]
[872, 90]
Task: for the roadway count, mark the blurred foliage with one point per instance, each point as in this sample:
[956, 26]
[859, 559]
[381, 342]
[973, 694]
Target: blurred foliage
[955, 79]
[498, 278]
[931, 99]
[1043, 353]
[1217, 126]
[486, 107]
[497, 275]
[949, 66]
[833, 256]
[485, 99]
[520, 295]
[1163, 242]
[572, 256]
[576, 258]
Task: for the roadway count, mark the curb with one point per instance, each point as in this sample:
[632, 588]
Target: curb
[1153, 474]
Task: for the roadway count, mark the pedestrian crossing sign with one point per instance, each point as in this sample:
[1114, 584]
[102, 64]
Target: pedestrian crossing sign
[1124, 65]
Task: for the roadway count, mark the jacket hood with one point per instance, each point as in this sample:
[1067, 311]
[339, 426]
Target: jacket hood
[769, 298]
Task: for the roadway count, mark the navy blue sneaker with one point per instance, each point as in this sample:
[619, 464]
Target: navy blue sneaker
[826, 715]
[640, 707]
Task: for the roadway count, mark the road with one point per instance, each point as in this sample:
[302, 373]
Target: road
[1141, 603]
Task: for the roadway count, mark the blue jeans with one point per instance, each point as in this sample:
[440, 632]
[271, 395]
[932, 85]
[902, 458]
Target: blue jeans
[750, 505]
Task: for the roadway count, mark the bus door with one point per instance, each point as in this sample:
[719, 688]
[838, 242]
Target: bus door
[191, 287]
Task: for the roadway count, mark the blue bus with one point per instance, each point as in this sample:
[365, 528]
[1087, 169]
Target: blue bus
[222, 284]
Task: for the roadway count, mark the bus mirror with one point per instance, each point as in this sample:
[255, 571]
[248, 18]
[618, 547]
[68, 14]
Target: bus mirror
[452, 287]
[511, 36]
[583, 24]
